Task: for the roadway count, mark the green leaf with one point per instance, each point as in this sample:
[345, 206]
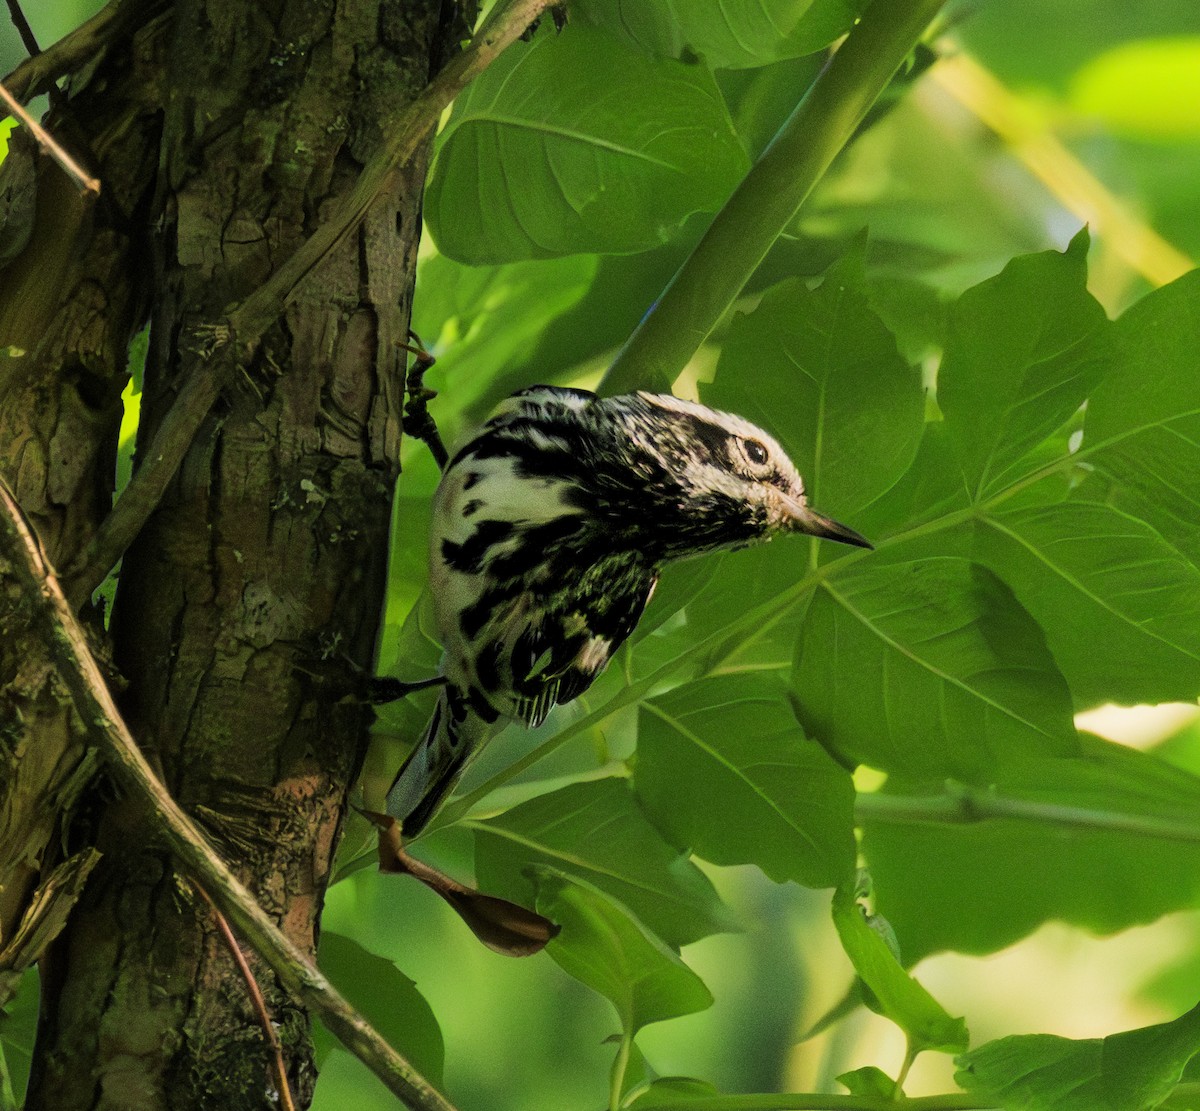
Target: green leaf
[1132, 1071]
[533, 165]
[387, 998]
[673, 1089]
[595, 832]
[896, 994]
[1143, 421]
[724, 769]
[604, 946]
[483, 324]
[1112, 866]
[726, 33]
[827, 352]
[1119, 605]
[869, 1081]
[1022, 352]
[928, 668]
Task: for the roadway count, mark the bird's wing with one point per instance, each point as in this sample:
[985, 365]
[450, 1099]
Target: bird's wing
[565, 642]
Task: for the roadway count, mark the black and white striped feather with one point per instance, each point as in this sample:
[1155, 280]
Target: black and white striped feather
[550, 526]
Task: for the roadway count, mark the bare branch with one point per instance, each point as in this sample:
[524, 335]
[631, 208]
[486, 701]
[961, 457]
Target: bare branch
[28, 39]
[80, 674]
[84, 180]
[36, 75]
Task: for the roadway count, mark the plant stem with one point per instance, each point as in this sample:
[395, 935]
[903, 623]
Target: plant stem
[770, 195]
[810, 1101]
[964, 805]
[618, 1070]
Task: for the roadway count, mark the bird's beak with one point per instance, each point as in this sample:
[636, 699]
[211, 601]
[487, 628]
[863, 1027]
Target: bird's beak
[803, 519]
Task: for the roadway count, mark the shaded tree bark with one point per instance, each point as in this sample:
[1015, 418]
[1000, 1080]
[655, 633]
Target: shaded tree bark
[264, 566]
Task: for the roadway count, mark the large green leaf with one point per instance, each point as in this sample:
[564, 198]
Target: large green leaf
[724, 769]
[1132, 1071]
[1143, 420]
[930, 668]
[1100, 841]
[726, 33]
[387, 998]
[603, 945]
[894, 992]
[542, 156]
[819, 370]
[1120, 606]
[1022, 352]
[595, 831]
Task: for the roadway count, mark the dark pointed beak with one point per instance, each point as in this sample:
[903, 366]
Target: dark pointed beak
[816, 524]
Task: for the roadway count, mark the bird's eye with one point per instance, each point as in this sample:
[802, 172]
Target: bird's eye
[756, 451]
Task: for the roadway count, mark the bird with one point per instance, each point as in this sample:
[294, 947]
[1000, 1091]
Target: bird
[551, 524]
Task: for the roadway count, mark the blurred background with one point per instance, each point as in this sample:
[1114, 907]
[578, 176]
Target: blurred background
[1038, 118]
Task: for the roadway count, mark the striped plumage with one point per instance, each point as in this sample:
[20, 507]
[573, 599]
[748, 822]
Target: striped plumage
[550, 526]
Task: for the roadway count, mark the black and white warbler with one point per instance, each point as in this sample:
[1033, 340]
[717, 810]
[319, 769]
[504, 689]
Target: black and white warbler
[550, 526]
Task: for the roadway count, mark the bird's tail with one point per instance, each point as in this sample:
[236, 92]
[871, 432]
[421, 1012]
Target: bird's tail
[454, 736]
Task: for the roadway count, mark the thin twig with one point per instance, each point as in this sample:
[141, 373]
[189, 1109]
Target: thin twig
[256, 999]
[37, 74]
[80, 674]
[249, 320]
[84, 180]
[28, 38]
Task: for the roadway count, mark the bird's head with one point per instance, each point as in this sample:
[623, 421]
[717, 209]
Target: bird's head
[716, 480]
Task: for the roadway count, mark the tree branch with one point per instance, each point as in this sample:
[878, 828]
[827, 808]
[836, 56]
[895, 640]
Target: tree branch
[83, 180]
[247, 322]
[36, 75]
[769, 197]
[81, 675]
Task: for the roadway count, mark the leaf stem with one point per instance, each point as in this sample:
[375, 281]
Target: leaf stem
[620, 1065]
[964, 805]
[770, 195]
[810, 1101]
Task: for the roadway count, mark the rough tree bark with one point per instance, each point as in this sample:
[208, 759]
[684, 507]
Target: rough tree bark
[264, 565]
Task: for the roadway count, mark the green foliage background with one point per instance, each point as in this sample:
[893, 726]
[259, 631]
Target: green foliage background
[1007, 409]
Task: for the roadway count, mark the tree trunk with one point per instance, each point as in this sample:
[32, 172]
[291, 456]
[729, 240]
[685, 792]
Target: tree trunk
[263, 568]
